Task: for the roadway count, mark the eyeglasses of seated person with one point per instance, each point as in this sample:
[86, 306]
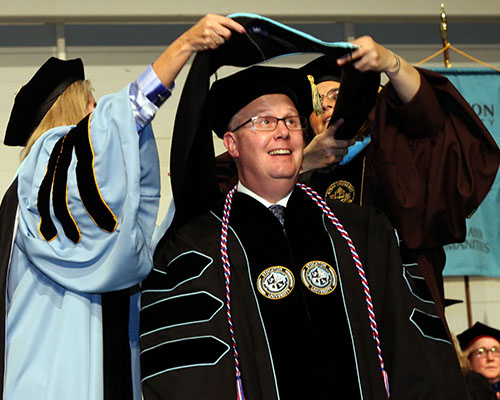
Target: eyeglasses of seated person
[483, 352]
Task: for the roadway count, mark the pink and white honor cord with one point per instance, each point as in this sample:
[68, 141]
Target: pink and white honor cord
[227, 277]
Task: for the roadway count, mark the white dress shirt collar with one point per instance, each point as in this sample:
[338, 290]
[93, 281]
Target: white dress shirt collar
[243, 189]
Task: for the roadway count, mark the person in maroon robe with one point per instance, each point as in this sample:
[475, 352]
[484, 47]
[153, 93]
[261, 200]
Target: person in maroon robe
[427, 162]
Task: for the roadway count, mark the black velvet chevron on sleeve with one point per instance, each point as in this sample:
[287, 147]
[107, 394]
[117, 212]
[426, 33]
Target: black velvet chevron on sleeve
[180, 310]
[430, 326]
[182, 353]
[162, 313]
[417, 285]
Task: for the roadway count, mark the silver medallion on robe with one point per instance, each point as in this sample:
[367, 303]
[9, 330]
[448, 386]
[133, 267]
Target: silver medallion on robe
[275, 283]
[319, 277]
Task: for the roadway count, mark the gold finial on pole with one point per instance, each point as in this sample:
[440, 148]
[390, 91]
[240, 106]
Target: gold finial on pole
[444, 37]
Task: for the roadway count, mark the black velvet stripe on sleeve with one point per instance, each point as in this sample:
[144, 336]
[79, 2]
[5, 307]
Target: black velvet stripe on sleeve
[60, 188]
[47, 227]
[183, 353]
[181, 310]
[87, 185]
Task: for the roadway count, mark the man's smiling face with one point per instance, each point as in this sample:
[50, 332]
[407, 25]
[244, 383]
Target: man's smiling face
[264, 157]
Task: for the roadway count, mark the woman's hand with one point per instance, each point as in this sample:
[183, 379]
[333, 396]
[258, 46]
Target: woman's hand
[371, 56]
[324, 149]
[207, 34]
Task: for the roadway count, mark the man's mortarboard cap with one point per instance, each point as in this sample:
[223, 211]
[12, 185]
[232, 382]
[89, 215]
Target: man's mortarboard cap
[229, 95]
[36, 97]
[478, 330]
[357, 93]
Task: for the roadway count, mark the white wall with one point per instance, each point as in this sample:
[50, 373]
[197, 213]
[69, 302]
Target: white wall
[282, 9]
[484, 302]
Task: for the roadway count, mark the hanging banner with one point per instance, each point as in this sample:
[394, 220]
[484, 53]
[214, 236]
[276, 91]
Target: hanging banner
[480, 253]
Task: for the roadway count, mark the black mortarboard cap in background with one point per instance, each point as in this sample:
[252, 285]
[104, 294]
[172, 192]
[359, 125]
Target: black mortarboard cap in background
[478, 330]
[36, 97]
[357, 93]
[229, 95]
[324, 68]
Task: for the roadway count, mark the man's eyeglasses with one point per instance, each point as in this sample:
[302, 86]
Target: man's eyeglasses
[482, 352]
[295, 123]
[332, 95]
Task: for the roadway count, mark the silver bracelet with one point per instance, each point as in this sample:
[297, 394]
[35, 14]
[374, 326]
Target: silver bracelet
[398, 67]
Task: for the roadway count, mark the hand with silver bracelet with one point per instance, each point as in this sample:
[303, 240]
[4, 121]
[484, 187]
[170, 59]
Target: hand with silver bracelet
[372, 56]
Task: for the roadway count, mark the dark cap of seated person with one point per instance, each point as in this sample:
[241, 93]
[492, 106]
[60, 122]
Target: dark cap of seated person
[36, 97]
[477, 331]
[229, 95]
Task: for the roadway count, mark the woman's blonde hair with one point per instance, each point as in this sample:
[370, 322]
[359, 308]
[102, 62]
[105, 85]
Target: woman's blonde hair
[463, 355]
[69, 109]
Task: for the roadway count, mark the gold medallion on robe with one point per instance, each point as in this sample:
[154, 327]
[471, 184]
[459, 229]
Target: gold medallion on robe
[319, 277]
[342, 191]
[275, 283]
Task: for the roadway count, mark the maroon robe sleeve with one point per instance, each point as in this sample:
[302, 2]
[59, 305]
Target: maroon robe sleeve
[434, 159]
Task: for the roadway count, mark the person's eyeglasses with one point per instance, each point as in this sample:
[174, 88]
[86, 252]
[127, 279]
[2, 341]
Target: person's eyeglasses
[482, 352]
[332, 95]
[295, 123]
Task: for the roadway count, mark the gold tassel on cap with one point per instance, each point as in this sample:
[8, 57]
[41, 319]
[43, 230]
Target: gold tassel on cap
[317, 107]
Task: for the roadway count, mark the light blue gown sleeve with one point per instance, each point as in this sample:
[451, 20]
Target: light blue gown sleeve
[126, 171]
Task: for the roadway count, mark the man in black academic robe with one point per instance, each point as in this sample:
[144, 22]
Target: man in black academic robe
[315, 308]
